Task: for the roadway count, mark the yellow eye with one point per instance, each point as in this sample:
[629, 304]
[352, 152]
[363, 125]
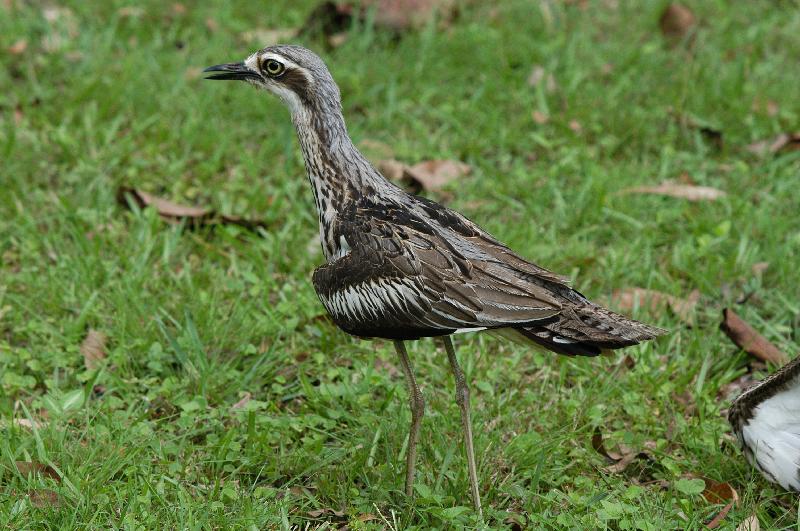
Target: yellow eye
[273, 67]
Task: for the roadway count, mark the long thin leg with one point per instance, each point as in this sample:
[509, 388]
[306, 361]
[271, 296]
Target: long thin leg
[417, 404]
[462, 399]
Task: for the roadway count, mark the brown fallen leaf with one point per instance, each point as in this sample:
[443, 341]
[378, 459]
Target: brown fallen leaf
[759, 267]
[44, 498]
[682, 191]
[333, 19]
[375, 150]
[746, 338]
[430, 175]
[18, 47]
[540, 118]
[331, 514]
[750, 523]
[599, 446]
[654, 301]
[784, 142]
[175, 213]
[677, 22]
[269, 37]
[620, 461]
[27, 468]
[538, 76]
[433, 175]
[93, 349]
[212, 25]
[31, 424]
[130, 12]
[716, 492]
[404, 15]
[243, 401]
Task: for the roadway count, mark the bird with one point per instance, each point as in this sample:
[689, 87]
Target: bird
[766, 421]
[402, 267]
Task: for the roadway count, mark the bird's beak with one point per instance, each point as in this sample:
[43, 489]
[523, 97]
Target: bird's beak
[238, 71]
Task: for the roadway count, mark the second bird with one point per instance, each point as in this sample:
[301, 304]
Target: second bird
[402, 267]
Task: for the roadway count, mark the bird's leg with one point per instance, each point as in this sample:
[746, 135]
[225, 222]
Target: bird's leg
[417, 403]
[462, 399]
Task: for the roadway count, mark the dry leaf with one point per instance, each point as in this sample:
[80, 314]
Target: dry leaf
[403, 15]
[538, 75]
[29, 423]
[130, 12]
[677, 22]
[430, 175]
[716, 492]
[212, 24]
[540, 118]
[759, 267]
[18, 47]
[27, 468]
[682, 191]
[628, 299]
[44, 498]
[332, 20]
[750, 523]
[782, 143]
[243, 401]
[375, 150]
[175, 213]
[619, 461]
[337, 39]
[433, 175]
[391, 169]
[93, 349]
[746, 338]
[719, 492]
[269, 37]
[178, 9]
[599, 447]
[326, 512]
[575, 126]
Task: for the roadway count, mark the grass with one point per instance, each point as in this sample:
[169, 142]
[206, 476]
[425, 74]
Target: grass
[199, 320]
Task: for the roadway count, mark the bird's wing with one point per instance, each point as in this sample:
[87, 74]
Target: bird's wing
[766, 420]
[403, 274]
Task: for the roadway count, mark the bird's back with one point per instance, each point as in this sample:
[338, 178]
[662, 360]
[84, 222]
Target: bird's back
[415, 268]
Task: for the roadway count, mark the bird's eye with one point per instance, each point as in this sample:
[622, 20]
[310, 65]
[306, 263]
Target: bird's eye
[273, 68]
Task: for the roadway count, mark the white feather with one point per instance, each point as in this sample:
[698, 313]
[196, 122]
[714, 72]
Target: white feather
[773, 435]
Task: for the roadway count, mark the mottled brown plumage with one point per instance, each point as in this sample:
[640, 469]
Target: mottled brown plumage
[403, 267]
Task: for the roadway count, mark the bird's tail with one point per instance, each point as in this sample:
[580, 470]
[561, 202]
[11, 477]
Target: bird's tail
[584, 330]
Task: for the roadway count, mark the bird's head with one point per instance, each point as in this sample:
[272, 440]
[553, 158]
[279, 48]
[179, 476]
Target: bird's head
[293, 73]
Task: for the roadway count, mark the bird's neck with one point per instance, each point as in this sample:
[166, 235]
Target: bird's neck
[338, 172]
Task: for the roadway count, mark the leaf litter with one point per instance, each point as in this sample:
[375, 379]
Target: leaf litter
[174, 213]
[690, 192]
[93, 349]
[429, 175]
[628, 299]
[749, 340]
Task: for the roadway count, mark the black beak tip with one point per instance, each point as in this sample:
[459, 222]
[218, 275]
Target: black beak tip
[234, 71]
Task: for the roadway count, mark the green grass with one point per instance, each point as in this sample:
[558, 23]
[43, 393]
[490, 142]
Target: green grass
[197, 320]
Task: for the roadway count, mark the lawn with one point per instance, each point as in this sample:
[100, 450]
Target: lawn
[220, 397]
